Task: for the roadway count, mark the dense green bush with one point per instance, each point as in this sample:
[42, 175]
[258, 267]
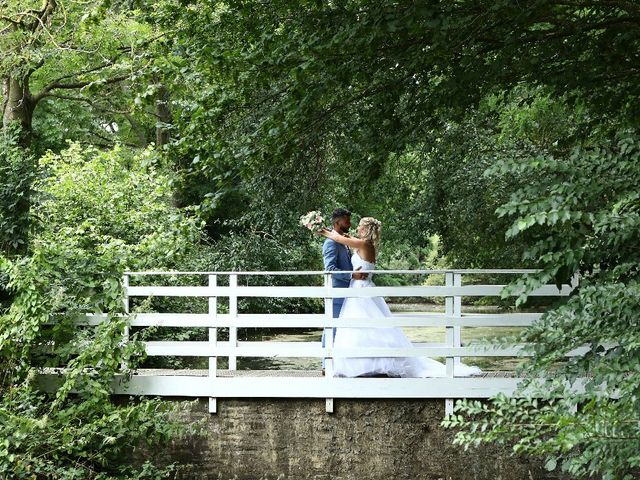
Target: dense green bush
[95, 214]
[583, 210]
[17, 172]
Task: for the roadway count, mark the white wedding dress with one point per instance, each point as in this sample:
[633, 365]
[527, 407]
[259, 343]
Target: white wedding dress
[376, 307]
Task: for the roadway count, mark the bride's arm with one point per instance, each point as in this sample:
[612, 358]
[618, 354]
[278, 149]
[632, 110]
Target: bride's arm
[348, 241]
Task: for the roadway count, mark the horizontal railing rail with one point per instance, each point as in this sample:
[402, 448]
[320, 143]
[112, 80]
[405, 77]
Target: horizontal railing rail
[321, 292]
[516, 271]
[266, 320]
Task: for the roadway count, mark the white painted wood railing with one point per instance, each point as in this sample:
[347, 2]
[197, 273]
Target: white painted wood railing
[221, 383]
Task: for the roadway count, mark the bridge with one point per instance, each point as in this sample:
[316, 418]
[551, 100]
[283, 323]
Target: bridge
[216, 288]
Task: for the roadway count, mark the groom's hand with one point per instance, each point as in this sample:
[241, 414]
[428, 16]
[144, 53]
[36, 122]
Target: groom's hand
[359, 276]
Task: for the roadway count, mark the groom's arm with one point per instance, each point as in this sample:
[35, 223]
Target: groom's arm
[330, 256]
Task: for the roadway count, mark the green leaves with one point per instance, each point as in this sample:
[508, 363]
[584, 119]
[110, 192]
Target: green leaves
[581, 214]
[96, 213]
[17, 172]
[582, 218]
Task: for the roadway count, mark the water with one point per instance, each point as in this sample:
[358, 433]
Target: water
[469, 336]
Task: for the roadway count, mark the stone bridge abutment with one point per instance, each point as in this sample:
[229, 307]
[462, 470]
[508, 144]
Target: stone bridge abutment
[363, 439]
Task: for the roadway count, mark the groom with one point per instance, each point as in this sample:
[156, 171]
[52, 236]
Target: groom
[338, 257]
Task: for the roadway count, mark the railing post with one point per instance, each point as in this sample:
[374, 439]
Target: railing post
[457, 312]
[328, 335]
[213, 341]
[575, 280]
[125, 299]
[453, 308]
[233, 313]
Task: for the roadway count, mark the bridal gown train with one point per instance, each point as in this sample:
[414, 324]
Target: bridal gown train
[393, 337]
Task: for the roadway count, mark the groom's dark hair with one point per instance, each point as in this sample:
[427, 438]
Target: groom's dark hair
[339, 213]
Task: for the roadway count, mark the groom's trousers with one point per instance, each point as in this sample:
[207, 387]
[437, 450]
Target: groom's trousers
[337, 306]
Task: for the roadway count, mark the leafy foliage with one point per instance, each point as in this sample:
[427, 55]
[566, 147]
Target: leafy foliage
[70, 71]
[431, 116]
[17, 172]
[114, 198]
[285, 107]
[98, 213]
[591, 228]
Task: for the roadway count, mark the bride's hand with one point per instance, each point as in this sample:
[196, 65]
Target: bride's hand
[325, 232]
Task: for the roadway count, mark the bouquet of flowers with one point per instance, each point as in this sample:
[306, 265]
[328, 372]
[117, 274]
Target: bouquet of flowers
[313, 220]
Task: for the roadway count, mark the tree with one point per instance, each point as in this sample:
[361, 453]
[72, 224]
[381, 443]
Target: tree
[96, 214]
[346, 88]
[69, 52]
[339, 87]
[590, 227]
[17, 171]
[70, 71]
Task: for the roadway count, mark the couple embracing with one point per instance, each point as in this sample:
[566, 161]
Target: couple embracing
[342, 252]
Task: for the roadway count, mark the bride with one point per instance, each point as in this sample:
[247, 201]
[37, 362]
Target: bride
[364, 258]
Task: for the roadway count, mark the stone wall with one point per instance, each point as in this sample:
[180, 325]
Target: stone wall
[363, 439]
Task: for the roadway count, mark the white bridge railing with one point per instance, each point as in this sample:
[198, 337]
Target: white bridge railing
[217, 383]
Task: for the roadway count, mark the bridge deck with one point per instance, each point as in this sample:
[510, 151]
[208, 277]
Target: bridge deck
[276, 373]
[157, 372]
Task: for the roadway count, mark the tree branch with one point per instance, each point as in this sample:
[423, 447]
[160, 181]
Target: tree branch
[110, 141]
[69, 97]
[622, 4]
[81, 72]
[32, 70]
[48, 7]
[15, 23]
[46, 91]
[57, 83]
[90, 102]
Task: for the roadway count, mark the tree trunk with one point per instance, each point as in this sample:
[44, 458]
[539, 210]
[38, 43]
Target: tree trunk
[163, 117]
[18, 106]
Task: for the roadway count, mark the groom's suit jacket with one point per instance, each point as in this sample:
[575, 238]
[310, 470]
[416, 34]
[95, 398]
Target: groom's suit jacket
[337, 257]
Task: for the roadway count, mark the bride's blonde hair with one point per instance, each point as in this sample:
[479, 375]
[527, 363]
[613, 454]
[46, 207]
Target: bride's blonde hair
[371, 228]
